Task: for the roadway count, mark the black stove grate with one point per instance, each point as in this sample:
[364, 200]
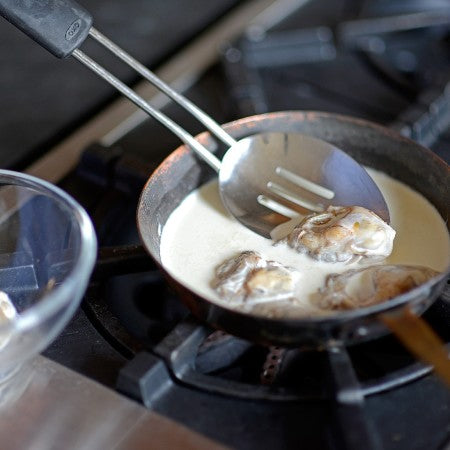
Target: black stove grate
[169, 348]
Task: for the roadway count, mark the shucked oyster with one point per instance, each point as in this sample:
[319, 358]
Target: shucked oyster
[343, 234]
[370, 285]
[251, 279]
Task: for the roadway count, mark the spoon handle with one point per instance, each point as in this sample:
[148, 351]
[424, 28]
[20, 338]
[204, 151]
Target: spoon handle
[186, 137]
[200, 115]
[61, 27]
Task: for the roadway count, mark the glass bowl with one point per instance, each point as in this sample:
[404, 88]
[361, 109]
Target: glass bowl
[47, 253]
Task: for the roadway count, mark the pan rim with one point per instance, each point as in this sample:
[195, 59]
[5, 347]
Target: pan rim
[335, 317]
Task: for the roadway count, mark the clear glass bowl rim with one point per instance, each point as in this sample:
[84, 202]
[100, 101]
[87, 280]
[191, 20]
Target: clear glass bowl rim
[62, 295]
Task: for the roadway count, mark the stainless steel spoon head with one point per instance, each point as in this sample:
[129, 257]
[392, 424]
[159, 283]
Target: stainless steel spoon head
[267, 178]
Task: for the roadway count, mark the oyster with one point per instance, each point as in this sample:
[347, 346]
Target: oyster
[343, 234]
[248, 278]
[369, 286]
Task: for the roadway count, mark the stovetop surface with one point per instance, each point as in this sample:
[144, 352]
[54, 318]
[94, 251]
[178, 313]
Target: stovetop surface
[322, 57]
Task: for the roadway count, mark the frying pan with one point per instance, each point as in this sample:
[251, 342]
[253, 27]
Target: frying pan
[370, 144]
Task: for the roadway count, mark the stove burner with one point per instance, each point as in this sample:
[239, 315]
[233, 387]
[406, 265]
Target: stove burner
[272, 364]
[218, 363]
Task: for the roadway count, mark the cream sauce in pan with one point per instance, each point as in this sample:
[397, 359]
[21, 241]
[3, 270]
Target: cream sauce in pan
[199, 235]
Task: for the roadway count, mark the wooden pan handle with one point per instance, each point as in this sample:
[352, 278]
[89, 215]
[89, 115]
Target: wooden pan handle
[421, 340]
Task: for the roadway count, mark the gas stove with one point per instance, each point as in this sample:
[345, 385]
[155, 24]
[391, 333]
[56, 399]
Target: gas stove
[385, 61]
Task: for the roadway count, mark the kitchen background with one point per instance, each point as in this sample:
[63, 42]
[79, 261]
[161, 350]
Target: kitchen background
[386, 61]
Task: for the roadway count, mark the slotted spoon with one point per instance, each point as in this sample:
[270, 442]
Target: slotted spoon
[263, 178]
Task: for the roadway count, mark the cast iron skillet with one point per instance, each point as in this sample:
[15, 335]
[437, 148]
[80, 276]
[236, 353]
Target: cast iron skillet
[370, 144]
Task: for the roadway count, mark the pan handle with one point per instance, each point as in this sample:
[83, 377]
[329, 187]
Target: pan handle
[420, 339]
[60, 27]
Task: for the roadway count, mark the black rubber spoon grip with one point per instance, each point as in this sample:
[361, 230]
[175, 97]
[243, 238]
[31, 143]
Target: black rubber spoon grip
[60, 26]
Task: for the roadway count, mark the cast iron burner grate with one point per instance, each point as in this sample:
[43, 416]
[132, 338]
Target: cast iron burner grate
[392, 70]
[166, 348]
